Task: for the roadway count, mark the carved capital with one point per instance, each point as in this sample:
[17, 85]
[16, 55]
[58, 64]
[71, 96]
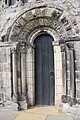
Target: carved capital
[22, 45]
[14, 50]
[30, 45]
[63, 47]
[70, 45]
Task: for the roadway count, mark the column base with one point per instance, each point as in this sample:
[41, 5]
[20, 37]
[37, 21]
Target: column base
[22, 105]
[22, 102]
[10, 105]
[15, 98]
[69, 100]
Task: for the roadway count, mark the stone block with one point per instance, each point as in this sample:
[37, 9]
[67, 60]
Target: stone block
[58, 97]
[29, 87]
[30, 81]
[58, 57]
[29, 66]
[58, 65]
[59, 89]
[11, 105]
[28, 16]
[38, 12]
[22, 21]
[57, 49]
[59, 81]
[29, 58]
[6, 67]
[29, 74]
[59, 74]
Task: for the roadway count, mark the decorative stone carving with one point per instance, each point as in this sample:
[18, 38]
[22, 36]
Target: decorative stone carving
[22, 21]
[38, 12]
[36, 24]
[70, 45]
[39, 20]
[22, 45]
[63, 48]
[16, 29]
[13, 50]
[65, 21]
[56, 14]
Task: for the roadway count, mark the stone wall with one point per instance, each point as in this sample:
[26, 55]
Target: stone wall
[71, 9]
[5, 74]
[59, 17]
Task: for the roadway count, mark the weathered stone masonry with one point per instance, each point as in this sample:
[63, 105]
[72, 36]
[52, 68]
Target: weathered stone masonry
[24, 21]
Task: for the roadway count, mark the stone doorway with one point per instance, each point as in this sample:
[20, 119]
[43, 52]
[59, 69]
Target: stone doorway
[44, 70]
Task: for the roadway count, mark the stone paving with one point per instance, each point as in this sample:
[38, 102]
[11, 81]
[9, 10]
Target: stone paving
[43, 113]
[73, 111]
[6, 114]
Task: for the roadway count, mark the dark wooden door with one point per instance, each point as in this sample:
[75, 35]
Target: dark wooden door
[44, 70]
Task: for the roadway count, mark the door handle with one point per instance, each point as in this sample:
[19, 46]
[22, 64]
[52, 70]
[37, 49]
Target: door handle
[51, 72]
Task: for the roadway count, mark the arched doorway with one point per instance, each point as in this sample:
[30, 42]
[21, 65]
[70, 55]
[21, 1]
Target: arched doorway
[44, 70]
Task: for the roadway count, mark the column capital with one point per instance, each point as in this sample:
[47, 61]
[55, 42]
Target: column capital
[70, 45]
[63, 47]
[22, 45]
[13, 50]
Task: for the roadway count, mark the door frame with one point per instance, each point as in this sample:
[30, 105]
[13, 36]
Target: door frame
[52, 39]
[57, 68]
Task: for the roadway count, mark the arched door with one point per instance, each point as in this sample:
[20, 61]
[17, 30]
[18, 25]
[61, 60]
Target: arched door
[44, 70]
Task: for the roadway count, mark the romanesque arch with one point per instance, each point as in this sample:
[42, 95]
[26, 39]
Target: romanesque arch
[23, 32]
[37, 19]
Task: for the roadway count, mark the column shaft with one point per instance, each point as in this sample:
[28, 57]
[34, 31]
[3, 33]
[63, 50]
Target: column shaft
[72, 74]
[64, 73]
[14, 69]
[23, 73]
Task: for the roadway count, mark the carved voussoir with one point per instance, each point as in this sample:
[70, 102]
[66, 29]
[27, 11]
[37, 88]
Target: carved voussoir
[56, 14]
[38, 12]
[22, 21]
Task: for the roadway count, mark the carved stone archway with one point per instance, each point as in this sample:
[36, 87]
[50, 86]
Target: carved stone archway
[37, 18]
[26, 28]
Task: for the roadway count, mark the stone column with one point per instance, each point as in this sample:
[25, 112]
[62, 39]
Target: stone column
[23, 73]
[64, 72]
[14, 74]
[22, 101]
[72, 73]
[23, 68]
